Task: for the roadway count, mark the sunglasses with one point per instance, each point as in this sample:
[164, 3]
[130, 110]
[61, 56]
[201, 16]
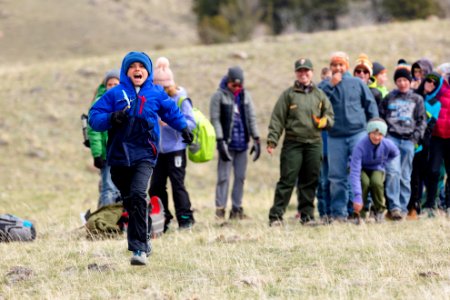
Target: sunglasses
[429, 80]
[236, 85]
[359, 71]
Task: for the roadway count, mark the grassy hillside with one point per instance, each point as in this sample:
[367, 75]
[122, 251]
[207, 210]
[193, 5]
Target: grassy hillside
[56, 29]
[47, 176]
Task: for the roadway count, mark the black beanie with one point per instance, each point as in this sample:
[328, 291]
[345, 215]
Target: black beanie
[402, 72]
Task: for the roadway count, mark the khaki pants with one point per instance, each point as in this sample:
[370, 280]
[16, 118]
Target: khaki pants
[373, 181]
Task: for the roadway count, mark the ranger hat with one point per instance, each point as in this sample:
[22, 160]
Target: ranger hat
[303, 63]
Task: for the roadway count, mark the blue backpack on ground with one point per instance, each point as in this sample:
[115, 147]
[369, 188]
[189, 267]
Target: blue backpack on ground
[14, 229]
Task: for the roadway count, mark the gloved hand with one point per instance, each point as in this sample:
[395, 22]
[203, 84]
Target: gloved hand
[99, 162]
[256, 148]
[223, 150]
[118, 118]
[187, 136]
[87, 143]
[357, 204]
[320, 122]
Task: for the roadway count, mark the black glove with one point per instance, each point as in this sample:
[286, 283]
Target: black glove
[256, 148]
[99, 162]
[187, 136]
[223, 150]
[118, 118]
[87, 143]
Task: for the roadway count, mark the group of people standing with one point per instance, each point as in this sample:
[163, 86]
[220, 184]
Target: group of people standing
[347, 140]
[382, 148]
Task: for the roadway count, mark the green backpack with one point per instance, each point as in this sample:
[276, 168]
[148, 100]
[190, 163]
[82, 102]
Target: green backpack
[203, 146]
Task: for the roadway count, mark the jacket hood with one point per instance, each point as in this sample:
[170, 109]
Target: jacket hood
[132, 57]
[223, 82]
[424, 64]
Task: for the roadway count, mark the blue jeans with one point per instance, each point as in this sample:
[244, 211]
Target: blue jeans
[398, 176]
[323, 190]
[339, 152]
[109, 193]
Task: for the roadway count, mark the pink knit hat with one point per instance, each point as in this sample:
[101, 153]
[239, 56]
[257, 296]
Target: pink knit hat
[162, 74]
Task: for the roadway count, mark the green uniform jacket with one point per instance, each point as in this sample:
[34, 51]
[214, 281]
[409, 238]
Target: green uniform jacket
[293, 113]
[97, 139]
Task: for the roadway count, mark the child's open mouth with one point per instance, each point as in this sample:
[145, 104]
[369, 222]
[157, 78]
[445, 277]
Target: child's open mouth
[137, 76]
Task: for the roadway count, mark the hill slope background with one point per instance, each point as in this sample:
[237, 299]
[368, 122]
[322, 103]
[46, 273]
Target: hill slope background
[52, 29]
[47, 176]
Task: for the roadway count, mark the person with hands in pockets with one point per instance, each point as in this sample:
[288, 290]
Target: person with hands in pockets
[130, 113]
[302, 111]
[233, 116]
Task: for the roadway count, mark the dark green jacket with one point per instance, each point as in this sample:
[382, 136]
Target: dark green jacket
[97, 139]
[294, 112]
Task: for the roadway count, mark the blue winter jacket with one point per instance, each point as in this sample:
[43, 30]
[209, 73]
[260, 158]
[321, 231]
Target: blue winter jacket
[353, 105]
[138, 139]
[367, 156]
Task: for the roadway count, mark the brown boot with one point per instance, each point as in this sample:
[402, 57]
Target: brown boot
[412, 215]
[220, 213]
[238, 214]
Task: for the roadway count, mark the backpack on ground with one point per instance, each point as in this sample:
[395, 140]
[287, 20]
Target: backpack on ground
[13, 228]
[203, 145]
[110, 221]
[104, 222]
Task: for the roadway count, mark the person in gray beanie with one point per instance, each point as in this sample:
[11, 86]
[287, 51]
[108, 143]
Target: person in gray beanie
[233, 116]
[109, 193]
[367, 168]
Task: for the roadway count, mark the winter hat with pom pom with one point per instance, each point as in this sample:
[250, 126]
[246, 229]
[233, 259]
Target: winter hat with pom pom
[162, 74]
[339, 57]
[363, 61]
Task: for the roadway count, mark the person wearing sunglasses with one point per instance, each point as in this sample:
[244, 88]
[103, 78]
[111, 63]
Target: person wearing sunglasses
[233, 116]
[364, 71]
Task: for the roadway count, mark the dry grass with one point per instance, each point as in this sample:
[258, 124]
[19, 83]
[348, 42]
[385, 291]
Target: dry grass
[46, 176]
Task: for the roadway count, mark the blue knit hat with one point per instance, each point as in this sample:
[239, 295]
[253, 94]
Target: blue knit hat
[141, 57]
[377, 124]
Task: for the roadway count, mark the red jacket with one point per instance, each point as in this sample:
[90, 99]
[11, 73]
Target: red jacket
[442, 128]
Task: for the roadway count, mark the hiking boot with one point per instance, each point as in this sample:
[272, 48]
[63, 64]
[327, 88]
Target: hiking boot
[237, 214]
[149, 249]
[337, 220]
[396, 215]
[412, 215]
[379, 217]
[186, 222]
[276, 223]
[307, 220]
[429, 212]
[220, 213]
[139, 258]
[186, 225]
[324, 220]
[388, 216]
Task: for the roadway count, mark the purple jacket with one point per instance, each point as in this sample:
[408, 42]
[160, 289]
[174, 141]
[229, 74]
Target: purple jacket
[367, 156]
